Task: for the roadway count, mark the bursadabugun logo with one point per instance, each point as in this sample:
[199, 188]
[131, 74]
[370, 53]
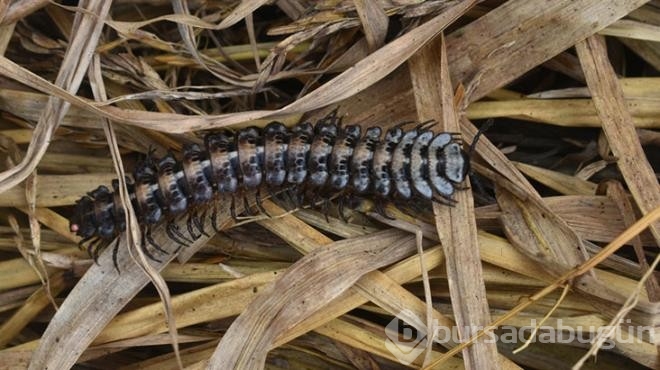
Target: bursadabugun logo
[407, 343]
[404, 341]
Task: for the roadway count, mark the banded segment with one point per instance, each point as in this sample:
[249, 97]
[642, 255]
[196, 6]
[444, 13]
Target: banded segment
[250, 157]
[198, 184]
[298, 155]
[319, 155]
[400, 166]
[148, 209]
[419, 172]
[170, 191]
[341, 157]
[436, 166]
[362, 160]
[381, 175]
[221, 150]
[276, 138]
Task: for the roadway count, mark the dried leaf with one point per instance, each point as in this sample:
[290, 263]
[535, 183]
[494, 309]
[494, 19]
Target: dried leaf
[307, 286]
[618, 126]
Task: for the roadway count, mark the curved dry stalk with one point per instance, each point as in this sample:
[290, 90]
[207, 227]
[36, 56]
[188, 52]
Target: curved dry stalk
[132, 231]
[564, 292]
[613, 325]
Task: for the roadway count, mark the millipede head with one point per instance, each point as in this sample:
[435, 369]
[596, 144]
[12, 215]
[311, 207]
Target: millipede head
[82, 222]
[455, 162]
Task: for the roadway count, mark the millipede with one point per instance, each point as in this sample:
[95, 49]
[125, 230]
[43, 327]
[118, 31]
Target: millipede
[322, 160]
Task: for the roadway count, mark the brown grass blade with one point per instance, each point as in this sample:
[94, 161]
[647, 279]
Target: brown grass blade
[635, 229]
[20, 9]
[595, 218]
[543, 236]
[529, 36]
[240, 12]
[456, 225]
[526, 31]
[374, 22]
[206, 304]
[370, 286]
[39, 300]
[647, 50]
[540, 233]
[161, 67]
[564, 112]
[307, 286]
[380, 63]
[626, 28]
[618, 126]
[372, 338]
[565, 184]
[616, 192]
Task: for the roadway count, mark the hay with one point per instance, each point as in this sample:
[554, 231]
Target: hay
[568, 166]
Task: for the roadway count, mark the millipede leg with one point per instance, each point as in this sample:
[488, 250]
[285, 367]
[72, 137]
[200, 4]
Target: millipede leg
[293, 195]
[340, 209]
[461, 187]
[232, 209]
[259, 205]
[445, 200]
[90, 250]
[93, 250]
[115, 251]
[81, 244]
[314, 198]
[199, 223]
[246, 206]
[175, 234]
[189, 226]
[380, 209]
[325, 208]
[401, 124]
[480, 191]
[271, 193]
[153, 243]
[426, 124]
[143, 246]
[214, 219]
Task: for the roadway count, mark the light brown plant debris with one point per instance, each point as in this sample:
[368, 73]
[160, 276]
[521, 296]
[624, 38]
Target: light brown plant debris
[546, 239]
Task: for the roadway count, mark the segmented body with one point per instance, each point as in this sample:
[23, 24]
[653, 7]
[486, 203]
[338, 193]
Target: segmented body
[326, 159]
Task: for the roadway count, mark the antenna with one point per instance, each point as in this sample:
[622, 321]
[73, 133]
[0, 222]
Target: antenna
[485, 127]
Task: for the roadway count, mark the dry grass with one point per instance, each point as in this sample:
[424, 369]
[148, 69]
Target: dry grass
[567, 168]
